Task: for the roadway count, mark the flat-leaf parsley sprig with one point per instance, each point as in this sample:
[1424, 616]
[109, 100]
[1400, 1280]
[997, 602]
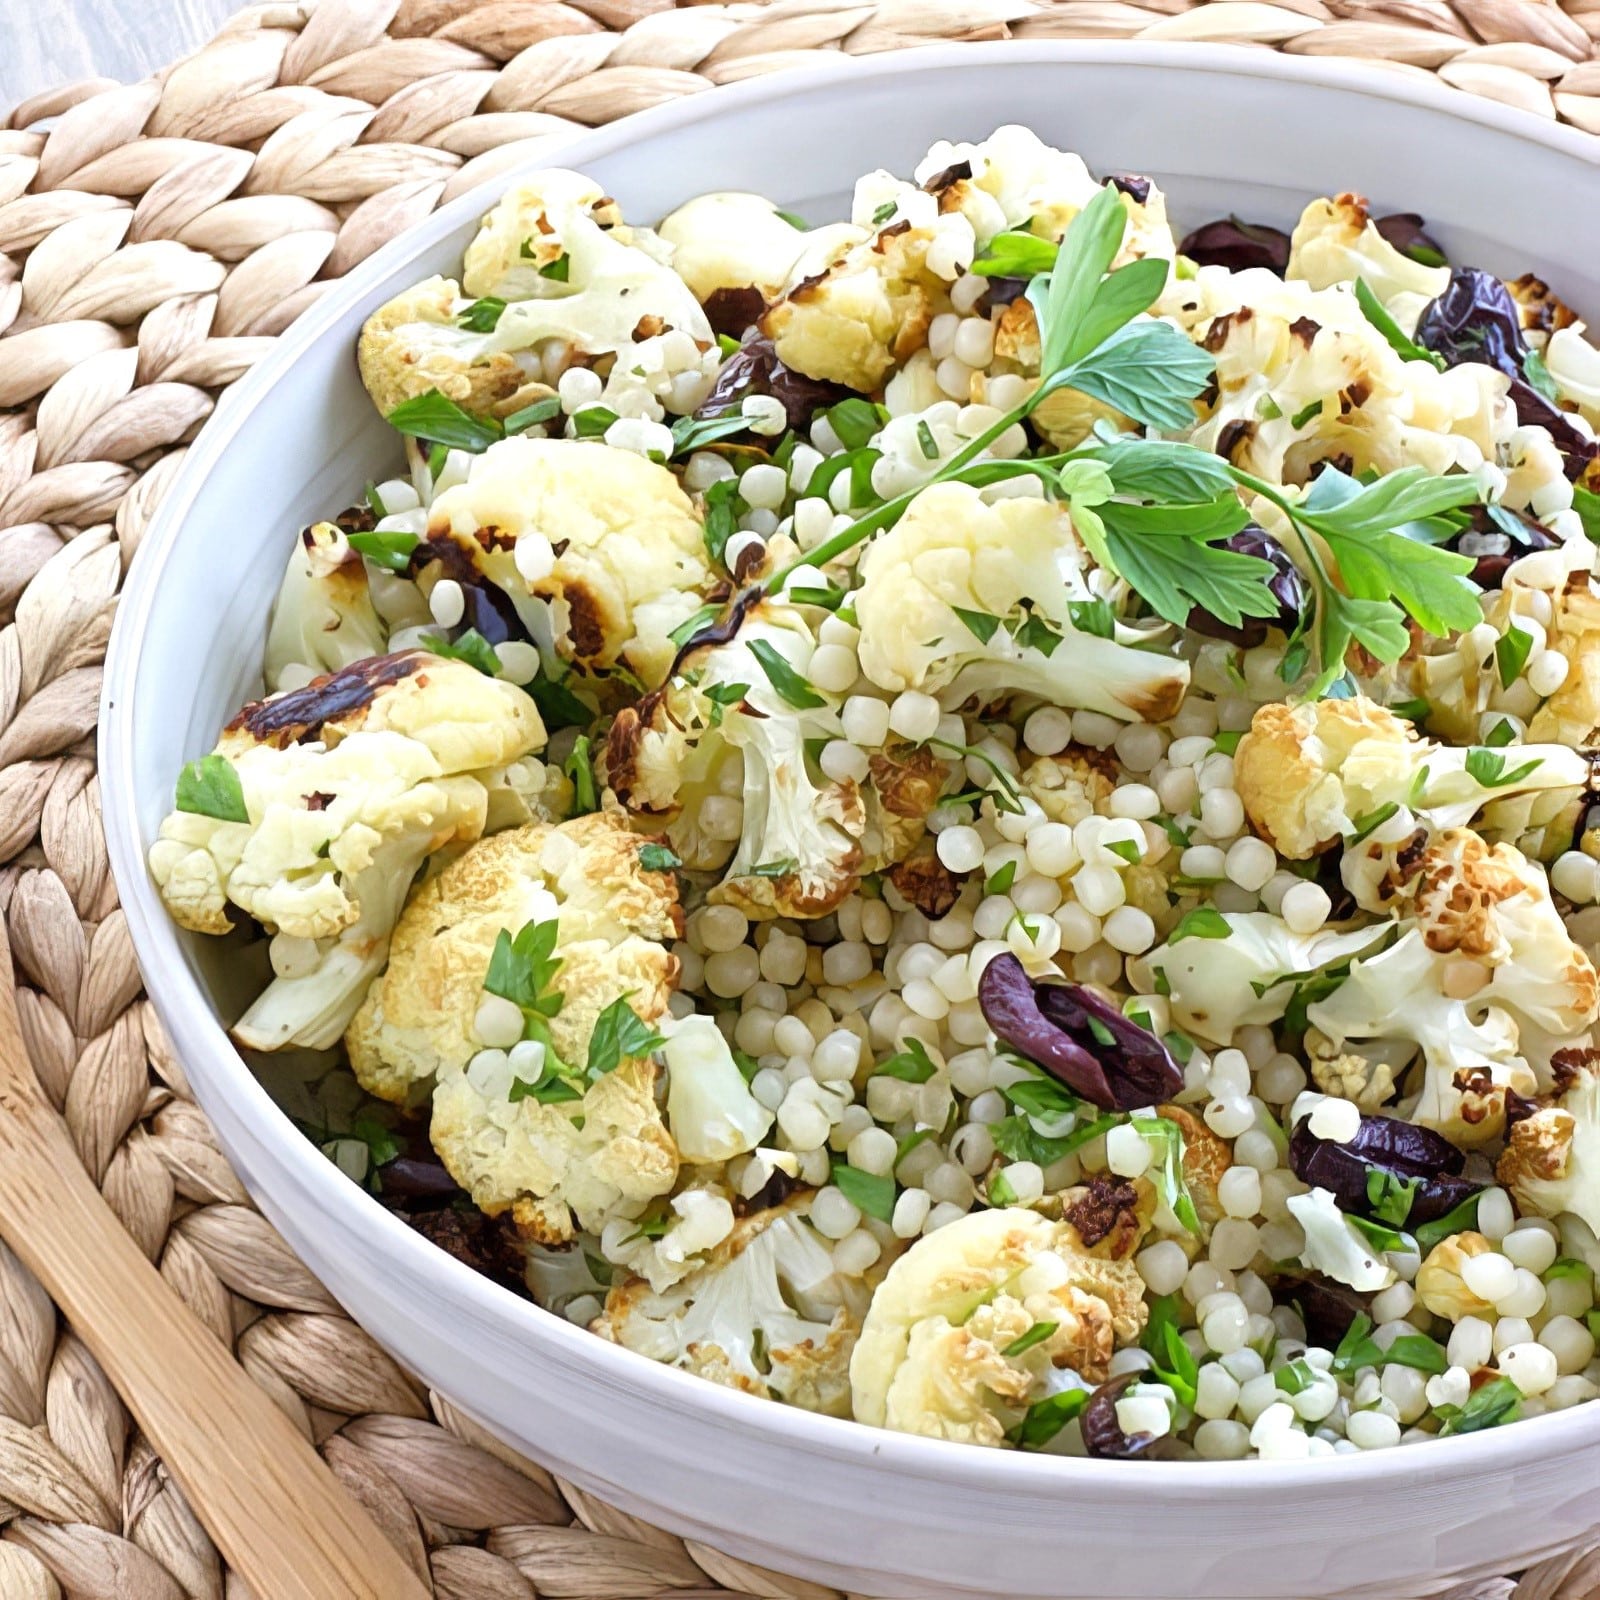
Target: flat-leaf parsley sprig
[1157, 513]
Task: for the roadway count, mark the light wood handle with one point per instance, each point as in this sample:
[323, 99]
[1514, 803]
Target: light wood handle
[279, 1516]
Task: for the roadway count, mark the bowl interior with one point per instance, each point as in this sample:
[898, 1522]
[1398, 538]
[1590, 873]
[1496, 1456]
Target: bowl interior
[1222, 131]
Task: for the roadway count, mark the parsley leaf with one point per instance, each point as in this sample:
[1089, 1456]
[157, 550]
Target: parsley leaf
[521, 968]
[1498, 1401]
[854, 422]
[1374, 311]
[689, 433]
[1035, 1335]
[1488, 768]
[1204, 922]
[910, 1065]
[558, 706]
[867, 1191]
[791, 687]
[210, 787]
[1511, 651]
[1000, 881]
[1015, 255]
[540, 411]
[579, 767]
[722, 505]
[620, 1034]
[470, 647]
[1457, 1220]
[1390, 1196]
[437, 418]
[559, 270]
[1046, 1418]
[390, 548]
[980, 624]
[482, 316]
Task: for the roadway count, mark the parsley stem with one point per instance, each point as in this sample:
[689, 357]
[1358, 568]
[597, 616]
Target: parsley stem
[890, 511]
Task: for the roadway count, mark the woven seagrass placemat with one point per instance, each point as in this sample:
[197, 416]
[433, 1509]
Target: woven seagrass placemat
[153, 239]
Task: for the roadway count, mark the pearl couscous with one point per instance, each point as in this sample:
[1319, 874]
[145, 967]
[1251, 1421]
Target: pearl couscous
[978, 817]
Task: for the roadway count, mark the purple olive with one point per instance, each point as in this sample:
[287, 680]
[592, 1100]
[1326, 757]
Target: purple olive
[1002, 291]
[1476, 319]
[1407, 232]
[1326, 1307]
[1387, 1146]
[1286, 585]
[1136, 188]
[1496, 540]
[754, 368]
[1233, 244]
[1102, 1433]
[412, 1177]
[1080, 1040]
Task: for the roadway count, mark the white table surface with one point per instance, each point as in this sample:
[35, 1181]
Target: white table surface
[48, 42]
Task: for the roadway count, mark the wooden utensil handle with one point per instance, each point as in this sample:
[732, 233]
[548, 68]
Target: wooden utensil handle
[279, 1516]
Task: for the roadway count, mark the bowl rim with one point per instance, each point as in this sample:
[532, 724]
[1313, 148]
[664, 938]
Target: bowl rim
[349, 1210]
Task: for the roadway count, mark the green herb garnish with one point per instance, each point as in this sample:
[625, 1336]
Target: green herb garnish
[210, 787]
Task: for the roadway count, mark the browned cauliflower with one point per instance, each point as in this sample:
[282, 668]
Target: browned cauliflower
[932, 1357]
[318, 806]
[599, 548]
[1309, 774]
[766, 1313]
[1551, 1162]
[863, 314]
[614, 919]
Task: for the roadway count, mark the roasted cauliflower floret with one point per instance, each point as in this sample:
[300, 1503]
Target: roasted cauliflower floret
[1470, 1048]
[1336, 241]
[714, 1116]
[316, 810]
[1334, 1246]
[1218, 986]
[324, 617]
[557, 251]
[416, 342]
[766, 1314]
[603, 1156]
[799, 851]
[1309, 774]
[950, 553]
[931, 1357]
[1366, 1080]
[614, 920]
[863, 314]
[1551, 1162]
[729, 242]
[1070, 786]
[1572, 714]
[1440, 1286]
[604, 540]
[1490, 905]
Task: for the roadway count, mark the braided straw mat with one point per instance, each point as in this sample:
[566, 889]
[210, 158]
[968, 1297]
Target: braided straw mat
[153, 239]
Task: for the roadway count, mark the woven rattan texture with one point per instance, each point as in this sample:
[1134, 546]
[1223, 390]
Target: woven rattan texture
[153, 239]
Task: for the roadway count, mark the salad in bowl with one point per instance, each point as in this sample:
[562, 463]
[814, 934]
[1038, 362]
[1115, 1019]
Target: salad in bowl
[979, 818]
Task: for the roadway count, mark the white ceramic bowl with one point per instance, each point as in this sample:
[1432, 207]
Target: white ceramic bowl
[868, 1511]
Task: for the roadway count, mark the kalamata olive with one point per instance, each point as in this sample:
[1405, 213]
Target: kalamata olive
[1476, 319]
[1102, 1433]
[1233, 244]
[1497, 538]
[1327, 1307]
[1407, 232]
[416, 1177]
[1388, 1147]
[1287, 586]
[754, 368]
[489, 1245]
[1002, 291]
[732, 311]
[1077, 1038]
[1136, 188]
